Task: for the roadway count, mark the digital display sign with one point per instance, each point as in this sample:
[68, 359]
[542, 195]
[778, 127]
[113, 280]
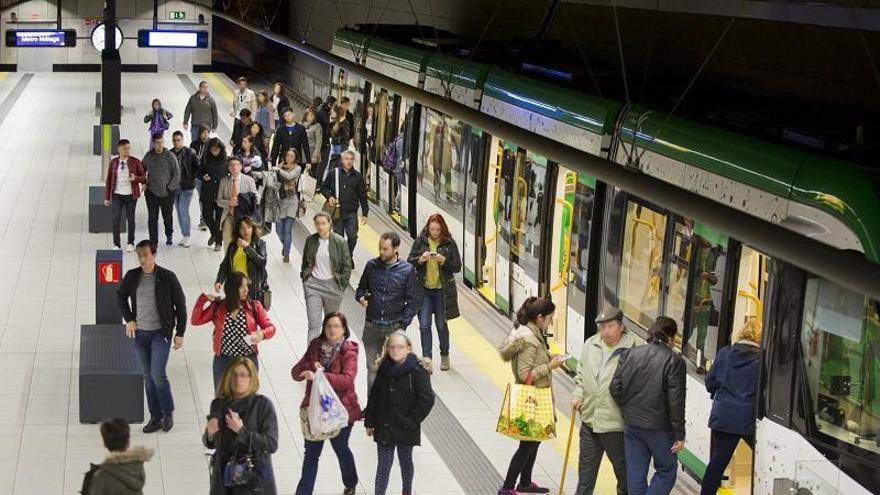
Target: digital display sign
[46, 38]
[148, 38]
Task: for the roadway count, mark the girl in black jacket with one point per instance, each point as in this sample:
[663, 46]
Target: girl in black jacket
[241, 421]
[400, 399]
[246, 253]
[212, 169]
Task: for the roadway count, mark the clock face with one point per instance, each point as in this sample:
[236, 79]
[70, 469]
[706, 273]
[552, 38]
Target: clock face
[98, 37]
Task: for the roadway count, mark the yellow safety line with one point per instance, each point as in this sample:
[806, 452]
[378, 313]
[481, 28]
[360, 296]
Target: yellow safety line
[3, 75]
[483, 354]
[218, 85]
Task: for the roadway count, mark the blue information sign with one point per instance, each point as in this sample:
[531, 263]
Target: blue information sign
[40, 38]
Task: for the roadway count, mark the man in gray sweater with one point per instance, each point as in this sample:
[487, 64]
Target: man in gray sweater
[202, 108]
[163, 181]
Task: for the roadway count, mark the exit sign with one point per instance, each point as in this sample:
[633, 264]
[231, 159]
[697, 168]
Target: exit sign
[176, 15]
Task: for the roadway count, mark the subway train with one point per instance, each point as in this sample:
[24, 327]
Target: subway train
[529, 226]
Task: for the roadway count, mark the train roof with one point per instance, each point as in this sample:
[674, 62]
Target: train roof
[459, 71]
[575, 108]
[836, 187]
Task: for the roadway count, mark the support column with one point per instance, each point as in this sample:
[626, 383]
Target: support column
[111, 84]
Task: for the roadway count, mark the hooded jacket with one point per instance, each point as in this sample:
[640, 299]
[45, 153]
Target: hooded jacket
[400, 399]
[188, 162]
[733, 382]
[649, 387]
[122, 473]
[527, 350]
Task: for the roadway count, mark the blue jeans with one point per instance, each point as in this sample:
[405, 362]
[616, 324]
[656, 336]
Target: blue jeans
[336, 149]
[181, 203]
[153, 348]
[221, 362]
[432, 304]
[640, 445]
[194, 131]
[310, 462]
[285, 233]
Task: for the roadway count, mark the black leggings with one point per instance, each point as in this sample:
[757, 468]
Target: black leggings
[521, 464]
[211, 214]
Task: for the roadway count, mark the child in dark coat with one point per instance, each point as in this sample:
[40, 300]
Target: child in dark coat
[400, 399]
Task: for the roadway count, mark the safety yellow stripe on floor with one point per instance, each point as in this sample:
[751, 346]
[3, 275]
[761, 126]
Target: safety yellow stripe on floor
[485, 356]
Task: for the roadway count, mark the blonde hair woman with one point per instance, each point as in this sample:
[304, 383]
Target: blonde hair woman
[240, 422]
[733, 383]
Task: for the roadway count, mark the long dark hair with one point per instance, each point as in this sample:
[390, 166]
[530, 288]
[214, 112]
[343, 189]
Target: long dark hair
[439, 220]
[236, 235]
[230, 288]
[532, 308]
[662, 330]
[153, 104]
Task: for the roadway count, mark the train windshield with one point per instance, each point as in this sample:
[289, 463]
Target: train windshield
[841, 347]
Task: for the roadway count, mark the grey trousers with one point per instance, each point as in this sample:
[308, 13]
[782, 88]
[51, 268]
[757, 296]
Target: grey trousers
[322, 297]
[593, 445]
[374, 341]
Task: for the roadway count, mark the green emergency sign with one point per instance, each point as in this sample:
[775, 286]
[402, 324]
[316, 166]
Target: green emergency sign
[176, 15]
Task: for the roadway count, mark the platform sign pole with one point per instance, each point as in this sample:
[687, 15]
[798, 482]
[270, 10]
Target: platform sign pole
[111, 70]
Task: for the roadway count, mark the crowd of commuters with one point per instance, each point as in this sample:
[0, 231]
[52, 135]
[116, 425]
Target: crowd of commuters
[630, 397]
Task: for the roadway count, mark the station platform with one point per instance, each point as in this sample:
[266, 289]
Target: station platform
[47, 256]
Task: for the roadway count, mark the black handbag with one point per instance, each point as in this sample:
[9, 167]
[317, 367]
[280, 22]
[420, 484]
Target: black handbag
[242, 471]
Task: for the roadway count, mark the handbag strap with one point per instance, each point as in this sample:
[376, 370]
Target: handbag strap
[530, 377]
[338, 192]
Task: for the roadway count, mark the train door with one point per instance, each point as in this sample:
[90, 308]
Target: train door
[526, 226]
[751, 291]
[573, 202]
[495, 210]
[399, 191]
[472, 154]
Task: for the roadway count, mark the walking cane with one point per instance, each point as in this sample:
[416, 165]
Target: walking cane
[567, 448]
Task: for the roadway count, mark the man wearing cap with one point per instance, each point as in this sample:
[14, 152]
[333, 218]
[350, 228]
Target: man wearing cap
[602, 428]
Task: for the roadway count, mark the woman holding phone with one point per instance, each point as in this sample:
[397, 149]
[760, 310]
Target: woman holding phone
[240, 323]
[241, 421]
[436, 258]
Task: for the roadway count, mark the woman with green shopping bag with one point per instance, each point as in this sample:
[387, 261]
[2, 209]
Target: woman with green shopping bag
[528, 352]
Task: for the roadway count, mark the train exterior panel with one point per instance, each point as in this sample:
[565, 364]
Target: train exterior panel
[458, 79]
[532, 226]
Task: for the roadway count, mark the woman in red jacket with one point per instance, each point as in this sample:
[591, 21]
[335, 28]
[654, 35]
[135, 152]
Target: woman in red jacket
[334, 353]
[239, 323]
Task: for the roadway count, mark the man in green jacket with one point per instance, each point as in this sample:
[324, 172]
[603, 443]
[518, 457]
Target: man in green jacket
[602, 428]
[326, 270]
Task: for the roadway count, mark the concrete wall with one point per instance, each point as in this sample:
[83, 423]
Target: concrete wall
[82, 15]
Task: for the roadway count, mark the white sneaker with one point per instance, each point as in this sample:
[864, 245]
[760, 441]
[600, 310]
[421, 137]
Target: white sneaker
[115, 247]
[184, 242]
[129, 248]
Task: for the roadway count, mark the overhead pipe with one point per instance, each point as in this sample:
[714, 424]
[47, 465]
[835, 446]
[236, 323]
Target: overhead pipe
[846, 268]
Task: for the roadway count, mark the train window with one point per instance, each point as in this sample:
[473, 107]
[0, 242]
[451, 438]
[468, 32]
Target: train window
[641, 263]
[441, 181]
[526, 225]
[710, 253]
[841, 349]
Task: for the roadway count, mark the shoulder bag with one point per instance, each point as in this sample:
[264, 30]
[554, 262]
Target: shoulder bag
[330, 209]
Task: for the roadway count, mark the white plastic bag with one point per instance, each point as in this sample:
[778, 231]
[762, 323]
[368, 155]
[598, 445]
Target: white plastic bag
[326, 412]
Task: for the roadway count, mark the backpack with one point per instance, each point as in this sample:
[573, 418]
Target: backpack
[87, 478]
[389, 157]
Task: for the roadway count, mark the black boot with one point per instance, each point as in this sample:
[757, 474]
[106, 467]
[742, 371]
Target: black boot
[153, 426]
[167, 423]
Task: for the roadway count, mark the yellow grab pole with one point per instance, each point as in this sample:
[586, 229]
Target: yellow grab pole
[567, 448]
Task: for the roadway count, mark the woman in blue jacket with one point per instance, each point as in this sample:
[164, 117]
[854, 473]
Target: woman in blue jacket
[733, 383]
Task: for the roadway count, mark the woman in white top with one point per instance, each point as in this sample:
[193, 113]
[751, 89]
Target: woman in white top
[326, 270]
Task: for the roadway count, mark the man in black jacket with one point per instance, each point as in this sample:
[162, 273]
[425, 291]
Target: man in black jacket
[189, 170]
[241, 128]
[649, 387]
[156, 316]
[352, 194]
[290, 135]
[387, 290]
